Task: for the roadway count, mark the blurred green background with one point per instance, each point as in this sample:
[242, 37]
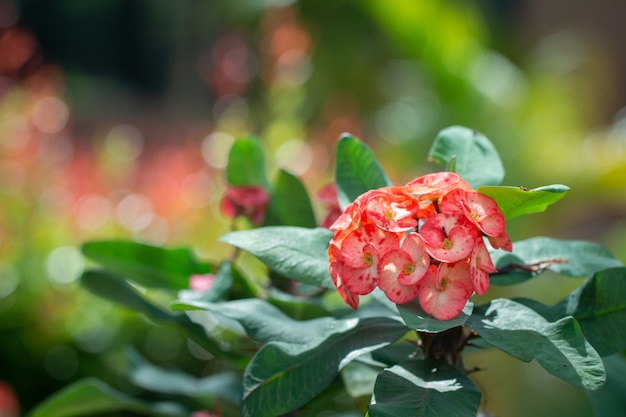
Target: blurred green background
[116, 118]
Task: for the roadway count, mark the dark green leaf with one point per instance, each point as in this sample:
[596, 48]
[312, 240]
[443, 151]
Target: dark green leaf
[210, 389]
[294, 252]
[283, 376]
[90, 397]
[148, 266]
[289, 203]
[424, 388]
[112, 287]
[477, 160]
[530, 257]
[356, 170]
[416, 318]
[298, 308]
[246, 163]
[560, 346]
[599, 306]
[516, 201]
[610, 399]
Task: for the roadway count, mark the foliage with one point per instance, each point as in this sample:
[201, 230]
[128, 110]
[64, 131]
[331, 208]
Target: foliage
[283, 341]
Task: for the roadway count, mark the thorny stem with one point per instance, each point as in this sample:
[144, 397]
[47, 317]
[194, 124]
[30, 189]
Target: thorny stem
[534, 267]
[447, 346]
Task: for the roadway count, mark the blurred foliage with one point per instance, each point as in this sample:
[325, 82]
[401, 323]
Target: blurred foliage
[116, 118]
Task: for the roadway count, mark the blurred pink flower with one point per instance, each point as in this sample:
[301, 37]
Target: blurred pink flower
[245, 200]
[201, 282]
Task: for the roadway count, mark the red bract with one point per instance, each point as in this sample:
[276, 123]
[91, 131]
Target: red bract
[440, 221]
[245, 200]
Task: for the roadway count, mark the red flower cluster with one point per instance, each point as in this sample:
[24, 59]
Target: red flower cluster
[423, 240]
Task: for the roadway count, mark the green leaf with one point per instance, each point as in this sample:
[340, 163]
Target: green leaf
[112, 287]
[356, 170]
[146, 265]
[599, 306]
[90, 397]
[294, 252]
[263, 322]
[246, 163]
[530, 257]
[516, 201]
[424, 388]
[416, 318]
[289, 203]
[283, 376]
[560, 346]
[475, 158]
[298, 308]
[207, 390]
[610, 399]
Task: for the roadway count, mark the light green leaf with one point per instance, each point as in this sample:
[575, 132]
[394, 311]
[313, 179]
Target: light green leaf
[516, 201]
[356, 170]
[246, 163]
[146, 265]
[263, 322]
[560, 347]
[289, 203]
[471, 154]
[90, 397]
[294, 252]
[424, 388]
[530, 257]
[416, 318]
[283, 376]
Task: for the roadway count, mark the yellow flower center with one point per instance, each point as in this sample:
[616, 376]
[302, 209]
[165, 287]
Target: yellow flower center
[409, 269]
[447, 244]
[368, 259]
[443, 284]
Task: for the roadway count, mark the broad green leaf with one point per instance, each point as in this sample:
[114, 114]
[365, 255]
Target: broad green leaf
[471, 154]
[610, 399]
[356, 170]
[289, 203]
[294, 252]
[207, 390]
[298, 308]
[90, 397]
[283, 376]
[146, 265]
[599, 306]
[416, 318]
[424, 388]
[560, 346]
[516, 201]
[530, 257]
[246, 163]
[222, 283]
[359, 379]
[112, 287]
[264, 322]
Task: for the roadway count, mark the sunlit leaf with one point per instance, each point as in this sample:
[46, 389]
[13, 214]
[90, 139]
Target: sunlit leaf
[560, 346]
[90, 397]
[471, 154]
[530, 257]
[246, 163]
[289, 203]
[283, 376]
[294, 252]
[356, 170]
[148, 266]
[516, 201]
[424, 388]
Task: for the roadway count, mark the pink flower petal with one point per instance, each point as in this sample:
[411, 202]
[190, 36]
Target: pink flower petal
[444, 291]
[446, 239]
